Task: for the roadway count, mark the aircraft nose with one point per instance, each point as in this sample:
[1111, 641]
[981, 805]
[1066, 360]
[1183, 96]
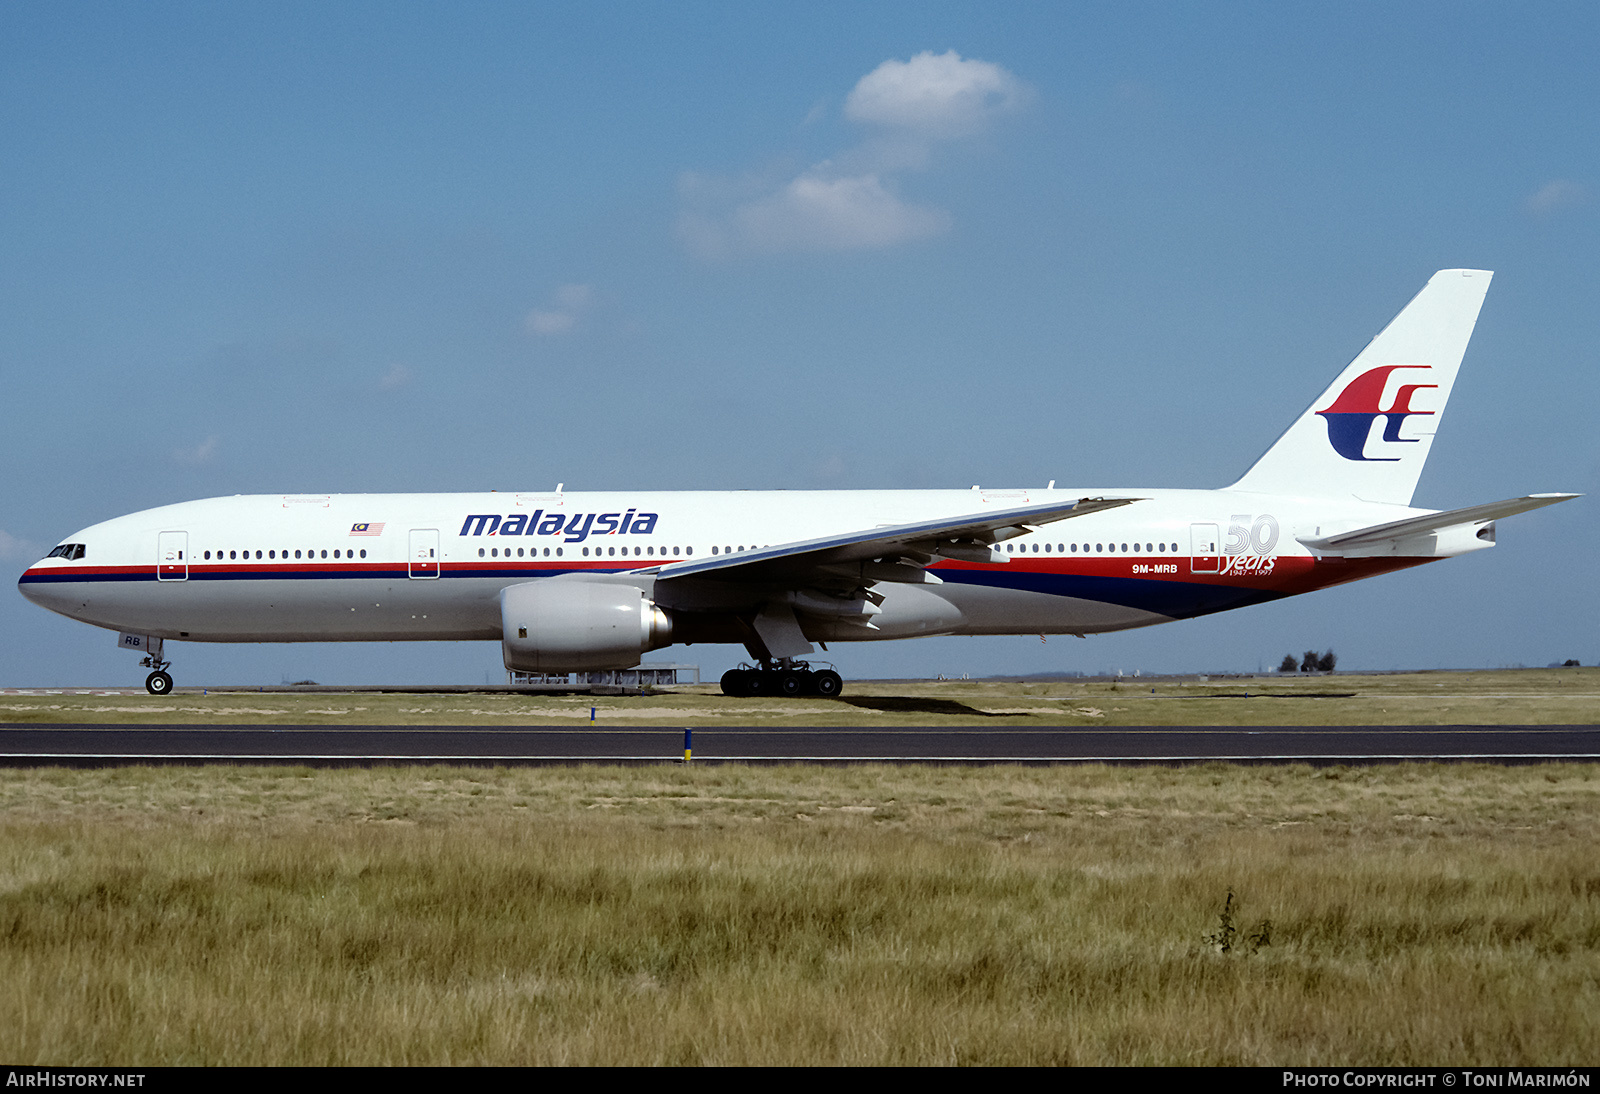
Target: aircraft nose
[34, 585]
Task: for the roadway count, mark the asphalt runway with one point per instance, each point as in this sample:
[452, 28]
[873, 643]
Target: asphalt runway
[101, 745]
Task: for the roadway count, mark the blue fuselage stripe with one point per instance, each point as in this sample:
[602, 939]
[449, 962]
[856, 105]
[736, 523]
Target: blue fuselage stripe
[1175, 599]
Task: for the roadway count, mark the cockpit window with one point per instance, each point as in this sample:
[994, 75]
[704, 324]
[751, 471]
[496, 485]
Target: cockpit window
[68, 551]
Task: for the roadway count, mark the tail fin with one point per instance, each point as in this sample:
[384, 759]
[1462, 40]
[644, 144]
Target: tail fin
[1369, 434]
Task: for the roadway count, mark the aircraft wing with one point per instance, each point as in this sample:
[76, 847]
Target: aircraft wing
[970, 538]
[1378, 535]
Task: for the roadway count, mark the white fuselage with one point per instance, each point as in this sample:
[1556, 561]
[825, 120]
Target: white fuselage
[590, 581]
[395, 567]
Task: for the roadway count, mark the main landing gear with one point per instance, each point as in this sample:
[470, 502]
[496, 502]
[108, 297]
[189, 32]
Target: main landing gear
[786, 678]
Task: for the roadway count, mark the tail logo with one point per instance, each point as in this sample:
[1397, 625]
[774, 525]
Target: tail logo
[1351, 415]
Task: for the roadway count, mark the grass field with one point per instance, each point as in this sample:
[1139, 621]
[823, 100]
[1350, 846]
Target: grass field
[1505, 697]
[1413, 914]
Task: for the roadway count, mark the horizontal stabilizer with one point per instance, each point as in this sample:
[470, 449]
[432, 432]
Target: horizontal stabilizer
[1365, 539]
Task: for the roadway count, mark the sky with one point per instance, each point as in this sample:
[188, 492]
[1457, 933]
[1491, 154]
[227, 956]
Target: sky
[284, 247]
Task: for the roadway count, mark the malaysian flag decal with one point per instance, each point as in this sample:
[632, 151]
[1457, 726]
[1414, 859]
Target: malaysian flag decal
[375, 529]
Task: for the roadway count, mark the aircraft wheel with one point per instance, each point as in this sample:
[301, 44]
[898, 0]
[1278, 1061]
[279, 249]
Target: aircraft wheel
[158, 683]
[827, 684]
[757, 682]
[730, 682]
[792, 684]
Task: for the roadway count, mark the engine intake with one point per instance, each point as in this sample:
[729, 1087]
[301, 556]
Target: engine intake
[578, 624]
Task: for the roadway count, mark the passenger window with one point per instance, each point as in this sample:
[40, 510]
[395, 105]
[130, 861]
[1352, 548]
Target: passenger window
[363, 552]
[480, 552]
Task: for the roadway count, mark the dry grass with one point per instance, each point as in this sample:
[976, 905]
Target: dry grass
[1501, 697]
[1419, 915]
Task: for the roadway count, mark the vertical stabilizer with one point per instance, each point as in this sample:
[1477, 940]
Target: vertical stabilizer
[1369, 434]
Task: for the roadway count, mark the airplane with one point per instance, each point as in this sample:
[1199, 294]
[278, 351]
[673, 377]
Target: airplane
[577, 582]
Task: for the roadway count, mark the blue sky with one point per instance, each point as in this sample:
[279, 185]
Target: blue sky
[277, 247]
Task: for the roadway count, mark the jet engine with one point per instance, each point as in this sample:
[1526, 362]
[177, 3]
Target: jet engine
[577, 624]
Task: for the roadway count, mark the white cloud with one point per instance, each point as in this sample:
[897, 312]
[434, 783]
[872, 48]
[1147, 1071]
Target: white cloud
[941, 95]
[562, 315]
[851, 201]
[12, 548]
[204, 452]
[398, 376]
[574, 296]
[820, 214]
[1556, 195]
[549, 322]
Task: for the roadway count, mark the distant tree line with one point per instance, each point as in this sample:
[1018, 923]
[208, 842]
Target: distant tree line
[1312, 661]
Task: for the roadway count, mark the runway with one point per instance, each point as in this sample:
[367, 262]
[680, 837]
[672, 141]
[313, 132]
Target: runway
[100, 745]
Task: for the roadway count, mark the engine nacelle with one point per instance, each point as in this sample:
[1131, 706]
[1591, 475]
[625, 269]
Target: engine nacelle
[577, 624]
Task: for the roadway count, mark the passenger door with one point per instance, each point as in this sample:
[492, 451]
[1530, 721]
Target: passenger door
[172, 556]
[423, 560]
[1204, 556]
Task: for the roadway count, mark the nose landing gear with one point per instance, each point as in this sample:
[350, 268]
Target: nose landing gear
[158, 682]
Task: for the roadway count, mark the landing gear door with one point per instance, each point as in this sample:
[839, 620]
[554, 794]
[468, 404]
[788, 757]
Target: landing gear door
[423, 561]
[172, 556]
[1204, 549]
